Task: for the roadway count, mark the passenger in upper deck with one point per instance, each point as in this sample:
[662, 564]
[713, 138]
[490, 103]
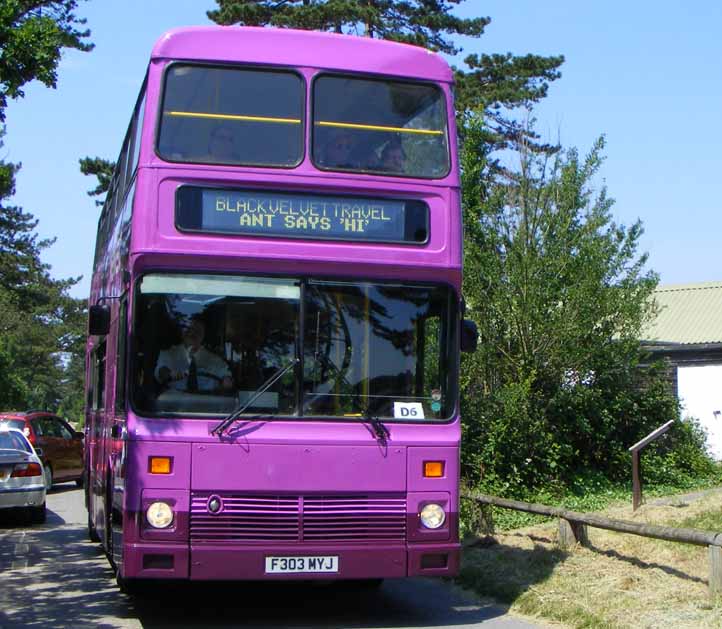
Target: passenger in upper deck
[393, 157]
[190, 367]
[338, 150]
[222, 145]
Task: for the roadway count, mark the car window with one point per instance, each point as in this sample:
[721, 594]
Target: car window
[51, 427]
[65, 431]
[37, 425]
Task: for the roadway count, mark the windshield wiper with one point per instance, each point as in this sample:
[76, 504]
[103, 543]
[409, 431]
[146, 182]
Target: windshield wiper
[220, 428]
[378, 428]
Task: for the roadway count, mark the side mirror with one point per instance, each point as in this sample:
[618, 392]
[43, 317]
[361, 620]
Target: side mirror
[39, 452]
[98, 320]
[469, 336]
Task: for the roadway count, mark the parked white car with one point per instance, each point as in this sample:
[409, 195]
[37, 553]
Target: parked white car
[22, 483]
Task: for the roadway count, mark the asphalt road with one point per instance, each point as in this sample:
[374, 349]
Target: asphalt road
[51, 576]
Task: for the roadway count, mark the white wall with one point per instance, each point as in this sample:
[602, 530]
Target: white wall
[700, 392]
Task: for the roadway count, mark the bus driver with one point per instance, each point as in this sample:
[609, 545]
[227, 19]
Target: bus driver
[190, 367]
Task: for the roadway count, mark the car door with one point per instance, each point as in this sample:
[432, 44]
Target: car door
[41, 441]
[55, 448]
[73, 446]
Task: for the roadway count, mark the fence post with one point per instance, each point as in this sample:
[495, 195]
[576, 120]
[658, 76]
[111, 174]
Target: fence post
[636, 482]
[571, 534]
[715, 570]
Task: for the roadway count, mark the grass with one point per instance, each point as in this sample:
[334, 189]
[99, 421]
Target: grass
[708, 521]
[585, 496]
[618, 581]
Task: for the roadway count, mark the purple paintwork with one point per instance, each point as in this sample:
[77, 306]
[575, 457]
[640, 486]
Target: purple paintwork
[298, 49]
[287, 488]
[302, 467]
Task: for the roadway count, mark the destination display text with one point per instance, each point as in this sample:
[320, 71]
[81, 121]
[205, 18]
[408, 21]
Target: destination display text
[265, 213]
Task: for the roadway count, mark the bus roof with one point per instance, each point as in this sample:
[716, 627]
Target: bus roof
[297, 48]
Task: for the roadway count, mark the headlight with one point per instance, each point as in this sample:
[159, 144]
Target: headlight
[159, 515]
[432, 516]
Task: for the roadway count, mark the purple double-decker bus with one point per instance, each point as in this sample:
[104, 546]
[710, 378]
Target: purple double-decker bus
[275, 315]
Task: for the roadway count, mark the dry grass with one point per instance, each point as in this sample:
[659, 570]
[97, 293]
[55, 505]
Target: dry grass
[620, 580]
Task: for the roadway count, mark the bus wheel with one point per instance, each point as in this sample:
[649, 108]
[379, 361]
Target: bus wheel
[130, 587]
[92, 533]
[109, 526]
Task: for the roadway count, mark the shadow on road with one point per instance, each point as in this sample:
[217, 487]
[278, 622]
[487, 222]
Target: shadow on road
[412, 603]
[53, 577]
[504, 572]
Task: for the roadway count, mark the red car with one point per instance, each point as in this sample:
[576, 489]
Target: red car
[62, 447]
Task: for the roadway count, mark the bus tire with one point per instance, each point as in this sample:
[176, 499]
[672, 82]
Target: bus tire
[92, 533]
[109, 526]
[130, 587]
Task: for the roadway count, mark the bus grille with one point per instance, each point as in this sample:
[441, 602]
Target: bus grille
[349, 518]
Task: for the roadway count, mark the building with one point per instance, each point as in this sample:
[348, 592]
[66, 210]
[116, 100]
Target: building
[687, 333]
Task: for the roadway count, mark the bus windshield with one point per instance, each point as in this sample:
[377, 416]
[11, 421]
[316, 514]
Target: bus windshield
[205, 343]
[227, 115]
[372, 125]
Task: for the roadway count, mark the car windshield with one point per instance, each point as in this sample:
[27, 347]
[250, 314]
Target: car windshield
[205, 343]
[13, 441]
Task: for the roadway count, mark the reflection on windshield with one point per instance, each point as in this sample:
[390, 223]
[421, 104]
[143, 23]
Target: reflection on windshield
[205, 343]
[231, 115]
[387, 127]
[377, 349]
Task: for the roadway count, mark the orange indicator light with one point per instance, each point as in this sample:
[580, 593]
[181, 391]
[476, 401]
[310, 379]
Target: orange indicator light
[433, 469]
[159, 464]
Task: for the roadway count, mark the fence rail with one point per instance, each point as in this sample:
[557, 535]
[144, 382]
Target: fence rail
[572, 530]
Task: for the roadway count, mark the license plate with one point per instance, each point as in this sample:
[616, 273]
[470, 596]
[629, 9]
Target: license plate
[294, 565]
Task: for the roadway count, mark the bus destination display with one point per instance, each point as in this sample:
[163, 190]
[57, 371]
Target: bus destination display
[266, 213]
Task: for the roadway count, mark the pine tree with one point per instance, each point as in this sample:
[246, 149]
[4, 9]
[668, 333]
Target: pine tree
[103, 170]
[40, 324]
[32, 36]
[494, 84]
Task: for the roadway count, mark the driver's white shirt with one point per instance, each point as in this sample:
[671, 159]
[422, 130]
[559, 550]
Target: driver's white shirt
[178, 359]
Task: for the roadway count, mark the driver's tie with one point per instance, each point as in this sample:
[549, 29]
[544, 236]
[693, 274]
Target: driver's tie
[193, 376]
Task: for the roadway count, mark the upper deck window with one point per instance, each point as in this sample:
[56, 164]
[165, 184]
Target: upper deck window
[223, 115]
[379, 126]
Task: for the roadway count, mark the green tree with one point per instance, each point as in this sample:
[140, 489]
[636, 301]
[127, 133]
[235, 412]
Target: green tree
[40, 325]
[103, 170]
[33, 34]
[496, 84]
[559, 293]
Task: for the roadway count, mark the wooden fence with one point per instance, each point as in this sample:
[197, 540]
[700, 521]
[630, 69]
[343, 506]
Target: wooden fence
[573, 530]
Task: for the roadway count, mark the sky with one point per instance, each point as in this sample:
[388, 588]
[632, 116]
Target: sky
[647, 75]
